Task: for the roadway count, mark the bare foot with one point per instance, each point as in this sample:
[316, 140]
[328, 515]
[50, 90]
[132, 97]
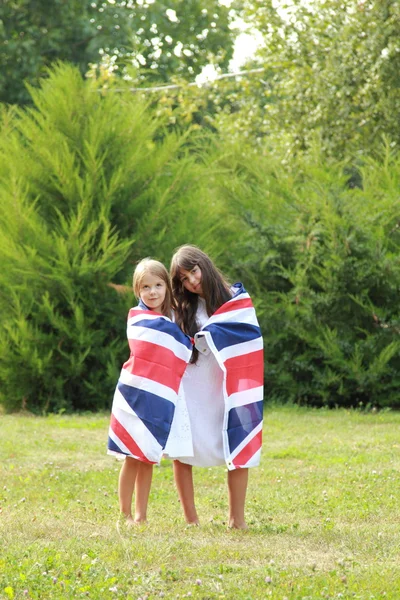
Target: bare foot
[129, 521]
[192, 523]
[134, 522]
[237, 525]
[125, 521]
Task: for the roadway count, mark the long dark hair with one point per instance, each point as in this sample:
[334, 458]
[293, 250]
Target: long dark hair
[214, 285]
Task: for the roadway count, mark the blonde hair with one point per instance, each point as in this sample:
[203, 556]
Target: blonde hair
[149, 266]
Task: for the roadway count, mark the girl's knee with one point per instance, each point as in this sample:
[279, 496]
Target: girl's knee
[131, 463]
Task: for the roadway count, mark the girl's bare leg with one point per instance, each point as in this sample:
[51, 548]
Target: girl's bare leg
[126, 485]
[142, 491]
[183, 475]
[237, 488]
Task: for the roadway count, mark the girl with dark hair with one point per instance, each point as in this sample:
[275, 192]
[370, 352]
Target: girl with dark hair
[223, 384]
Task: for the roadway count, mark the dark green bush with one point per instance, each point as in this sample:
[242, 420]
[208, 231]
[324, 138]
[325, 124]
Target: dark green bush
[324, 261]
[88, 186]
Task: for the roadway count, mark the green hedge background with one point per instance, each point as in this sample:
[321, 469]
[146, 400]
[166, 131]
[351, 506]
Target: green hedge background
[90, 183]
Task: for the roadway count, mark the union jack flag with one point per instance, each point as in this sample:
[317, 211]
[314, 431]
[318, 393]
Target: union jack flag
[147, 390]
[234, 336]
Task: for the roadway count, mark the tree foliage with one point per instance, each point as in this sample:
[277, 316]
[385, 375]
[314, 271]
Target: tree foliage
[141, 40]
[88, 185]
[323, 260]
[330, 67]
[329, 72]
[91, 183]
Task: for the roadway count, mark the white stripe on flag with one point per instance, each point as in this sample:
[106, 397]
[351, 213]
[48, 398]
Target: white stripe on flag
[242, 296]
[120, 403]
[120, 445]
[247, 439]
[255, 459]
[160, 339]
[245, 397]
[142, 314]
[241, 349]
[148, 385]
[241, 315]
[139, 433]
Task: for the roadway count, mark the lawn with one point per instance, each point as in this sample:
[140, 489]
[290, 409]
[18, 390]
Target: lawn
[323, 514]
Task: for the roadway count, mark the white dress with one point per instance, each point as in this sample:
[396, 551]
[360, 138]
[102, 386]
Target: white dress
[179, 441]
[180, 438]
[202, 386]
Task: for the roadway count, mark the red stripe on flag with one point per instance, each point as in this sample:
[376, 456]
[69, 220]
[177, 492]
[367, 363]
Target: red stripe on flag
[129, 442]
[156, 363]
[133, 312]
[234, 305]
[248, 451]
[244, 372]
[128, 365]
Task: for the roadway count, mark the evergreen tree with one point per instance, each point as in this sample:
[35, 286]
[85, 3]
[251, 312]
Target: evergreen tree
[88, 185]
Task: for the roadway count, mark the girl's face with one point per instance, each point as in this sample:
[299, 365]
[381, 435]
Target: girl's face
[191, 280]
[152, 291]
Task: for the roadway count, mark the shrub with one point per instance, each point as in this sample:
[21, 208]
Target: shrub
[322, 259]
[89, 185]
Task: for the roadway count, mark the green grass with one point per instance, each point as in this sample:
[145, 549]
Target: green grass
[323, 511]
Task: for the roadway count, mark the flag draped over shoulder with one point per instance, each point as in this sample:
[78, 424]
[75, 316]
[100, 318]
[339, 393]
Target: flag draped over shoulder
[233, 334]
[147, 390]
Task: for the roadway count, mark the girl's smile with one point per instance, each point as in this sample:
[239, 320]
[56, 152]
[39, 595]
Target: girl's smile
[152, 292]
[191, 280]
